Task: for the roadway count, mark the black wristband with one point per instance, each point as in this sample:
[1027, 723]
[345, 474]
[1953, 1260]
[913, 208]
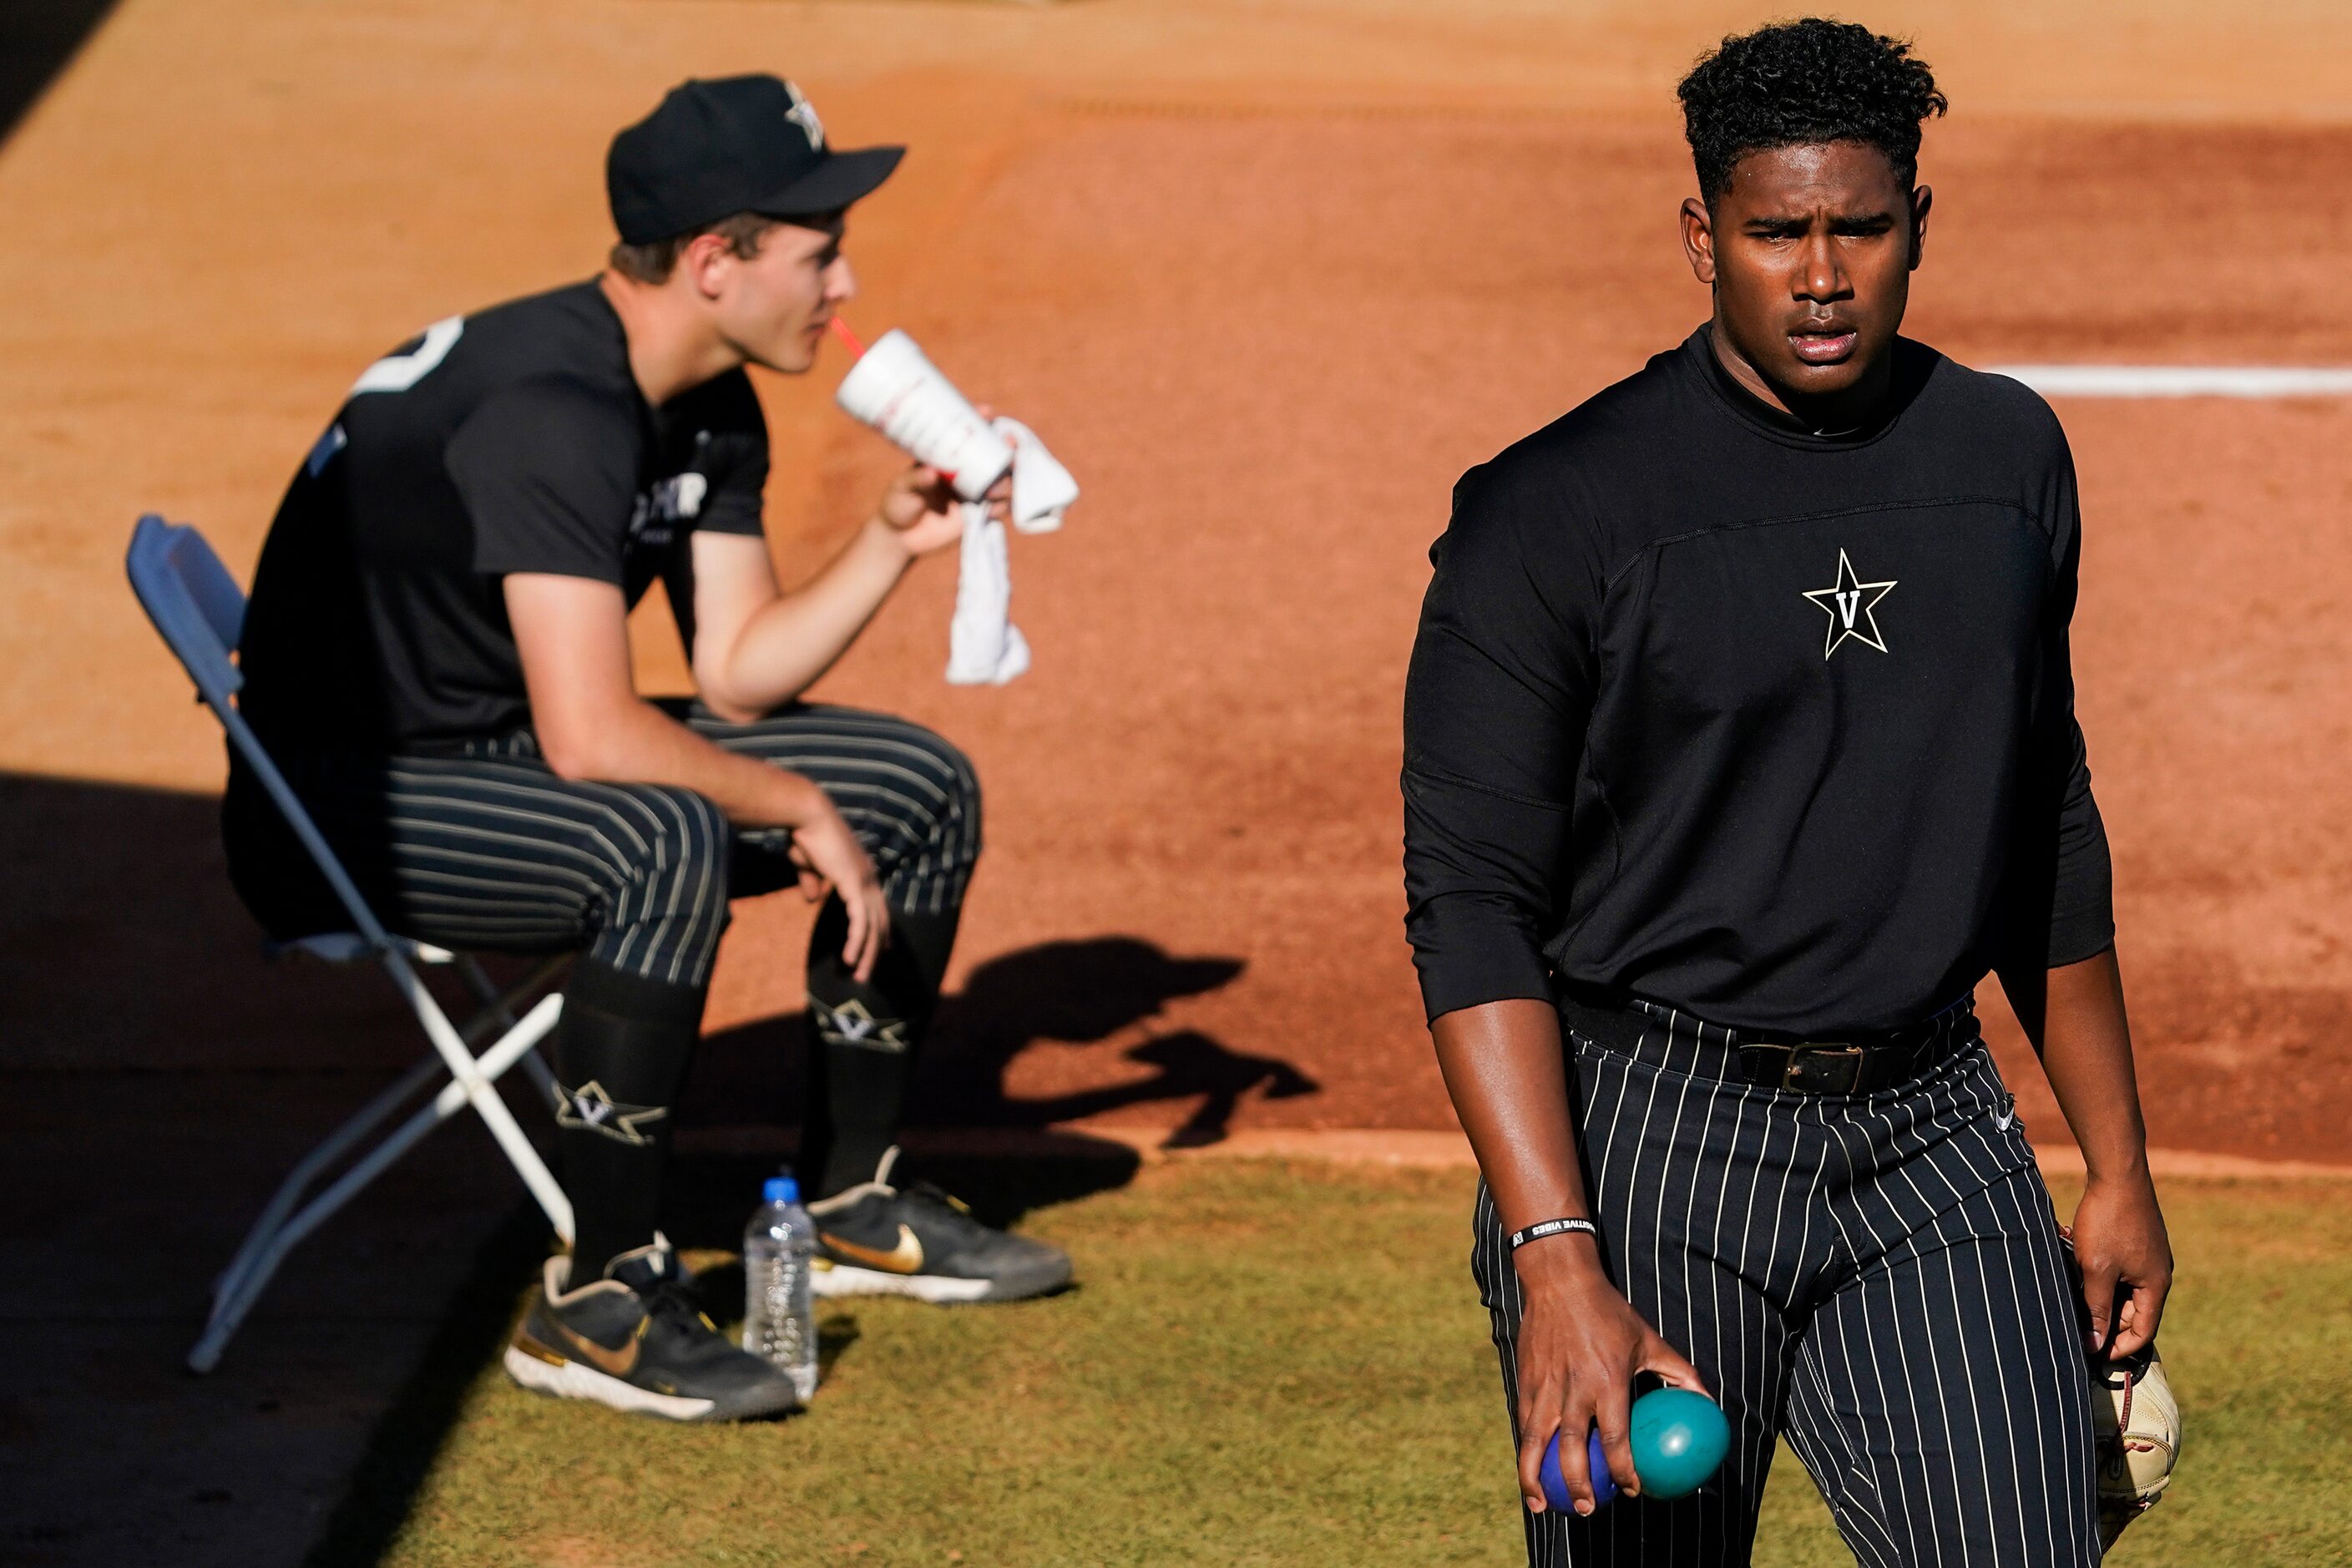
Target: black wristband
[1553, 1228]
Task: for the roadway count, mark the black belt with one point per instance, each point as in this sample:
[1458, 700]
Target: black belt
[1831, 1067]
[1860, 1062]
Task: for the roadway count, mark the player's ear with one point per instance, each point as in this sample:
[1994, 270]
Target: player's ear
[705, 261]
[1699, 239]
[1920, 199]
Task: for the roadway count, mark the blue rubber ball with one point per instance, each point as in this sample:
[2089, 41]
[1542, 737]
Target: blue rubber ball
[1555, 1484]
[1679, 1439]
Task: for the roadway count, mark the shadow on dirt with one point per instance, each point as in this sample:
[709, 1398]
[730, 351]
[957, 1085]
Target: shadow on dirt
[1083, 992]
[1079, 993]
[38, 39]
[123, 948]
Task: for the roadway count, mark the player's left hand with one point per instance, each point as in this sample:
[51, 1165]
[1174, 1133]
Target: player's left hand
[924, 511]
[2122, 1250]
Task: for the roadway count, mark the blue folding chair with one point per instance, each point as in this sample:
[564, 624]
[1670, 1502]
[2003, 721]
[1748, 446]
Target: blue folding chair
[199, 609]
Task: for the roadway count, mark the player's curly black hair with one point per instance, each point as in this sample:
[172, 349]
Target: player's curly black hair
[1798, 82]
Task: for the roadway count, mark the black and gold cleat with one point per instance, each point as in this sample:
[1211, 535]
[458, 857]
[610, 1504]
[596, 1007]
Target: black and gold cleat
[635, 1341]
[877, 1239]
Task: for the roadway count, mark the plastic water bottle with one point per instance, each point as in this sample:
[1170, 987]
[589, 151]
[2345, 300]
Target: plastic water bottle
[779, 1321]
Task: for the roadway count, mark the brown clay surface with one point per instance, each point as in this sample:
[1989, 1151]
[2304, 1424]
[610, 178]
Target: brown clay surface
[1268, 277]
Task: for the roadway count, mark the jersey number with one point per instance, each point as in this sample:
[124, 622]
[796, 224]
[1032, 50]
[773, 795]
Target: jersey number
[398, 373]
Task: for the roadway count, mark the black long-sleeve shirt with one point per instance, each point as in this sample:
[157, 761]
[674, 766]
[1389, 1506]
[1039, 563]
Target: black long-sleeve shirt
[1772, 726]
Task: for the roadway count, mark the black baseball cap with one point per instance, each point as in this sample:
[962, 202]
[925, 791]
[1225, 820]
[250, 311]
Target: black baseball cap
[740, 144]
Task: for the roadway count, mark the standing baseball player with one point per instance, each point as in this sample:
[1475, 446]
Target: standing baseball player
[436, 654]
[1739, 746]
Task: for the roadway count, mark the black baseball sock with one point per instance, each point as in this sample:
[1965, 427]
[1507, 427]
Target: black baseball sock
[621, 1053]
[862, 1057]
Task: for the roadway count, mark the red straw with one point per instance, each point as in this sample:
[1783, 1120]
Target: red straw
[841, 330]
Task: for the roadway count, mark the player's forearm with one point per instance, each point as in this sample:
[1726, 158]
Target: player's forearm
[1504, 1069]
[796, 637]
[2075, 1015]
[632, 741]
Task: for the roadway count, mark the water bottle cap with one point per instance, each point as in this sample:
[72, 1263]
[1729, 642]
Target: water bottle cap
[781, 1190]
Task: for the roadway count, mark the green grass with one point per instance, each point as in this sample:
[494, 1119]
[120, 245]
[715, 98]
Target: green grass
[1266, 1363]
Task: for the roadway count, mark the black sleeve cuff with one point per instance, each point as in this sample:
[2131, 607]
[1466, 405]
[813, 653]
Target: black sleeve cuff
[2083, 894]
[2083, 917]
[1485, 954]
[730, 512]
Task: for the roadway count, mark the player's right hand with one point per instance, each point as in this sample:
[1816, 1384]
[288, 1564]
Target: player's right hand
[1580, 1345]
[923, 511]
[831, 859]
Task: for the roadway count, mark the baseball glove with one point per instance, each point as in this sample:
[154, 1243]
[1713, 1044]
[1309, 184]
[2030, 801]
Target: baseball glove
[2135, 1425]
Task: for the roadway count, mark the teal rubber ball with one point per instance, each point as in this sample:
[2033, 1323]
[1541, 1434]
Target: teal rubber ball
[1679, 1440]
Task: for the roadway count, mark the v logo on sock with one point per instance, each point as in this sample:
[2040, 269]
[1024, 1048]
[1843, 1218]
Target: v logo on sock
[588, 1108]
[853, 1024]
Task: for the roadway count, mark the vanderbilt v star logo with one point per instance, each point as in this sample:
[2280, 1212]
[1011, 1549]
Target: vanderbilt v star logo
[852, 1025]
[804, 116]
[590, 1108]
[1849, 603]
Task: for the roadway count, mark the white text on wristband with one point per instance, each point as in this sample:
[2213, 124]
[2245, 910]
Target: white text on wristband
[1553, 1228]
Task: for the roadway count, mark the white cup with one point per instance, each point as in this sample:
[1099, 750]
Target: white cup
[895, 390]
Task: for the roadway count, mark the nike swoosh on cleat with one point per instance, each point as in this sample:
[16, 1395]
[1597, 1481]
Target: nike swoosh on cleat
[907, 1257]
[619, 1363]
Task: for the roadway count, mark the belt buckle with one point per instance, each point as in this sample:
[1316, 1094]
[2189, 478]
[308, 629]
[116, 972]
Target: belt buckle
[1839, 1067]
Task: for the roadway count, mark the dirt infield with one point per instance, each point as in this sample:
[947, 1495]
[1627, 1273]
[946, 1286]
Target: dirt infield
[1268, 277]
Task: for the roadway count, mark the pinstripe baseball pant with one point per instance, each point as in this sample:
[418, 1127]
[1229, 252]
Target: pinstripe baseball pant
[483, 848]
[1878, 1277]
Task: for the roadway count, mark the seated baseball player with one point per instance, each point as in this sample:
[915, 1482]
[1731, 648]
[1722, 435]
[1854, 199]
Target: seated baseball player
[436, 652]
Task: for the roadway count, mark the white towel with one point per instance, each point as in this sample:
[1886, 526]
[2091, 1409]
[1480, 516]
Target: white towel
[984, 647]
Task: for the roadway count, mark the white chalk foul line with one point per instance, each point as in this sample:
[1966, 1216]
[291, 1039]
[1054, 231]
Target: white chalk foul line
[2182, 380]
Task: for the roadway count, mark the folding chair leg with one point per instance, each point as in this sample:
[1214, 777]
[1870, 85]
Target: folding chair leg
[484, 1099]
[265, 1249]
[297, 1181]
[497, 1007]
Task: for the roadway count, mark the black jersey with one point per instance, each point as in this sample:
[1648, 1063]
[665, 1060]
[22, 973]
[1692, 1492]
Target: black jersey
[511, 441]
[1771, 726]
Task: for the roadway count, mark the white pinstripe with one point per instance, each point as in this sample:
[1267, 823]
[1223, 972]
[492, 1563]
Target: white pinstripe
[490, 846]
[946, 842]
[2001, 1381]
[1905, 1510]
[1895, 1300]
